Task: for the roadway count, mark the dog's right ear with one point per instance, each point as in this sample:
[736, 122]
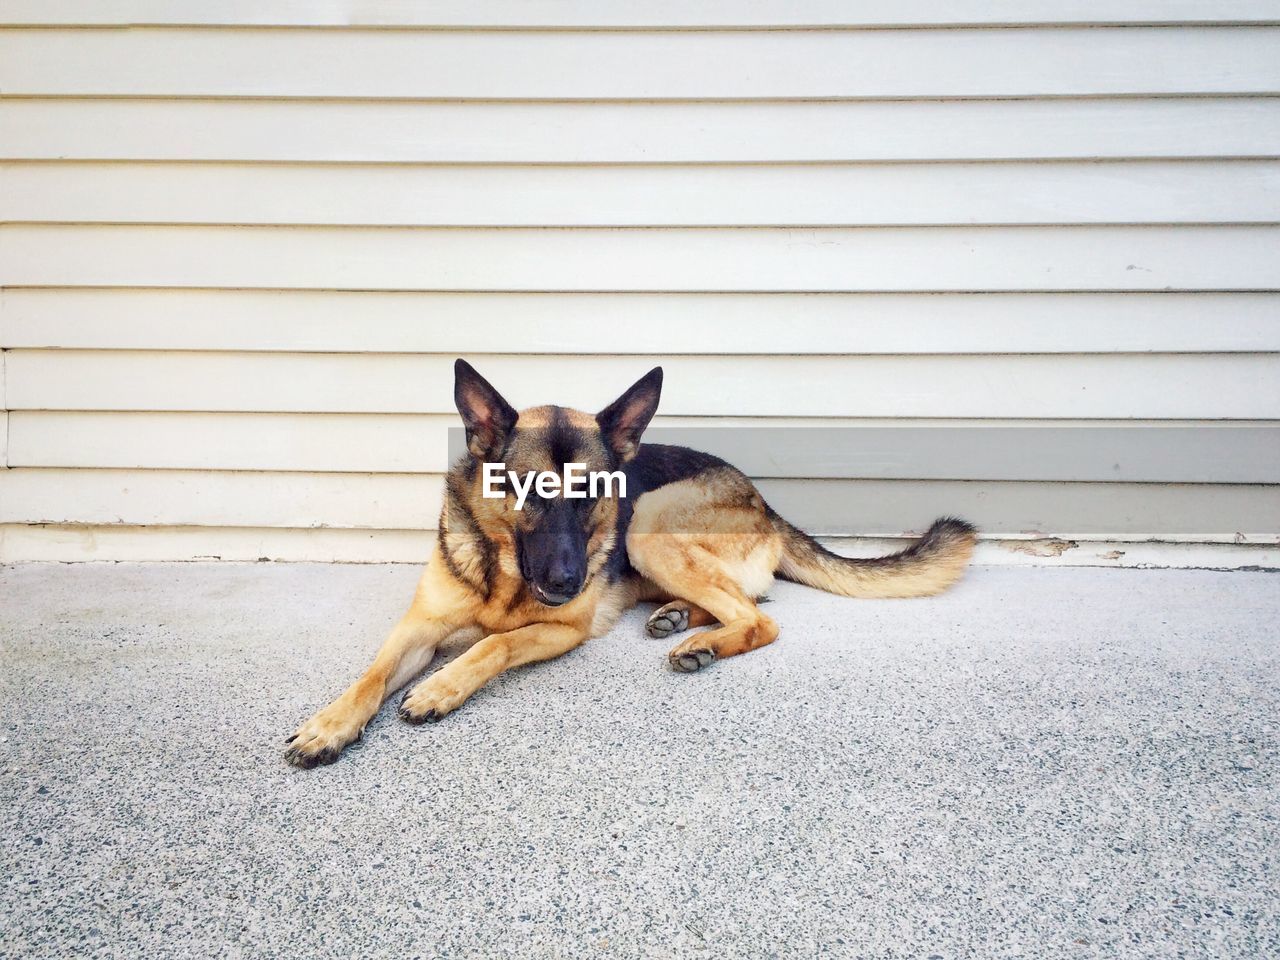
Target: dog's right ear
[488, 417]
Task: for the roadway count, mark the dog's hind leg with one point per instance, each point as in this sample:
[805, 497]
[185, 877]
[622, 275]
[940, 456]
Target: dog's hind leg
[708, 541]
[714, 586]
[744, 628]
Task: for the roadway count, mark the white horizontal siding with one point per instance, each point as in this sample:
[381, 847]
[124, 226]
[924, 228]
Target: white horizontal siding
[296, 321]
[836, 507]
[623, 14]
[1208, 386]
[676, 259]
[240, 247]
[4, 412]
[952, 449]
[1243, 191]
[548, 65]
[462, 132]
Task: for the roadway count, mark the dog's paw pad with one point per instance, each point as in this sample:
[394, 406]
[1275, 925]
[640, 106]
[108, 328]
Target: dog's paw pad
[666, 621]
[690, 661]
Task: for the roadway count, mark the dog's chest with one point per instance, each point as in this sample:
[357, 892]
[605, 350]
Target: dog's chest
[510, 606]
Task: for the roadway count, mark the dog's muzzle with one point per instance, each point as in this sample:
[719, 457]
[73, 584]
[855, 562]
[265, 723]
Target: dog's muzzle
[550, 598]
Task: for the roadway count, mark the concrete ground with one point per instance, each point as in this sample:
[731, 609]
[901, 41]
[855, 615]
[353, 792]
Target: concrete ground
[1043, 763]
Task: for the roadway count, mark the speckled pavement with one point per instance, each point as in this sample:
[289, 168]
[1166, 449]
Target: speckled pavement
[1043, 763]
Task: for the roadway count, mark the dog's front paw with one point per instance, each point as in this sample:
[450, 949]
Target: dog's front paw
[431, 700]
[321, 739]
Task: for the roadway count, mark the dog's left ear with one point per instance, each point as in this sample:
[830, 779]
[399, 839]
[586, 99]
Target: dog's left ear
[623, 421]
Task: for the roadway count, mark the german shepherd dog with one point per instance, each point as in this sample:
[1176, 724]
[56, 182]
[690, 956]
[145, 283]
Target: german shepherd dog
[692, 534]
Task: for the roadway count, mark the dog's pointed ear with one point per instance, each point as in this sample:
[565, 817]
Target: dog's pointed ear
[623, 421]
[487, 416]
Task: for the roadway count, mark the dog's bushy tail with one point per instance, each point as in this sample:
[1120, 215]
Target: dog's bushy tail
[928, 566]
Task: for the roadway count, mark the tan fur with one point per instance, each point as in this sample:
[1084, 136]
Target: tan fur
[705, 547]
[539, 417]
[928, 567]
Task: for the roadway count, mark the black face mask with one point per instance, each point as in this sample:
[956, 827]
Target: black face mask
[553, 555]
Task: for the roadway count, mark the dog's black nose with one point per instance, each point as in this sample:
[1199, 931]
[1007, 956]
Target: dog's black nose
[563, 582]
[565, 573]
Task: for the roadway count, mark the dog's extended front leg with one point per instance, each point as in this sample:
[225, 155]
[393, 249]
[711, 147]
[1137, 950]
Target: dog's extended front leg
[403, 654]
[450, 686]
[438, 610]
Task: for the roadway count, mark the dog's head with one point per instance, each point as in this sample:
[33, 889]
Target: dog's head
[560, 541]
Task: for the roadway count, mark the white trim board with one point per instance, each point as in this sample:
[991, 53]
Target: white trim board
[72, 544]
